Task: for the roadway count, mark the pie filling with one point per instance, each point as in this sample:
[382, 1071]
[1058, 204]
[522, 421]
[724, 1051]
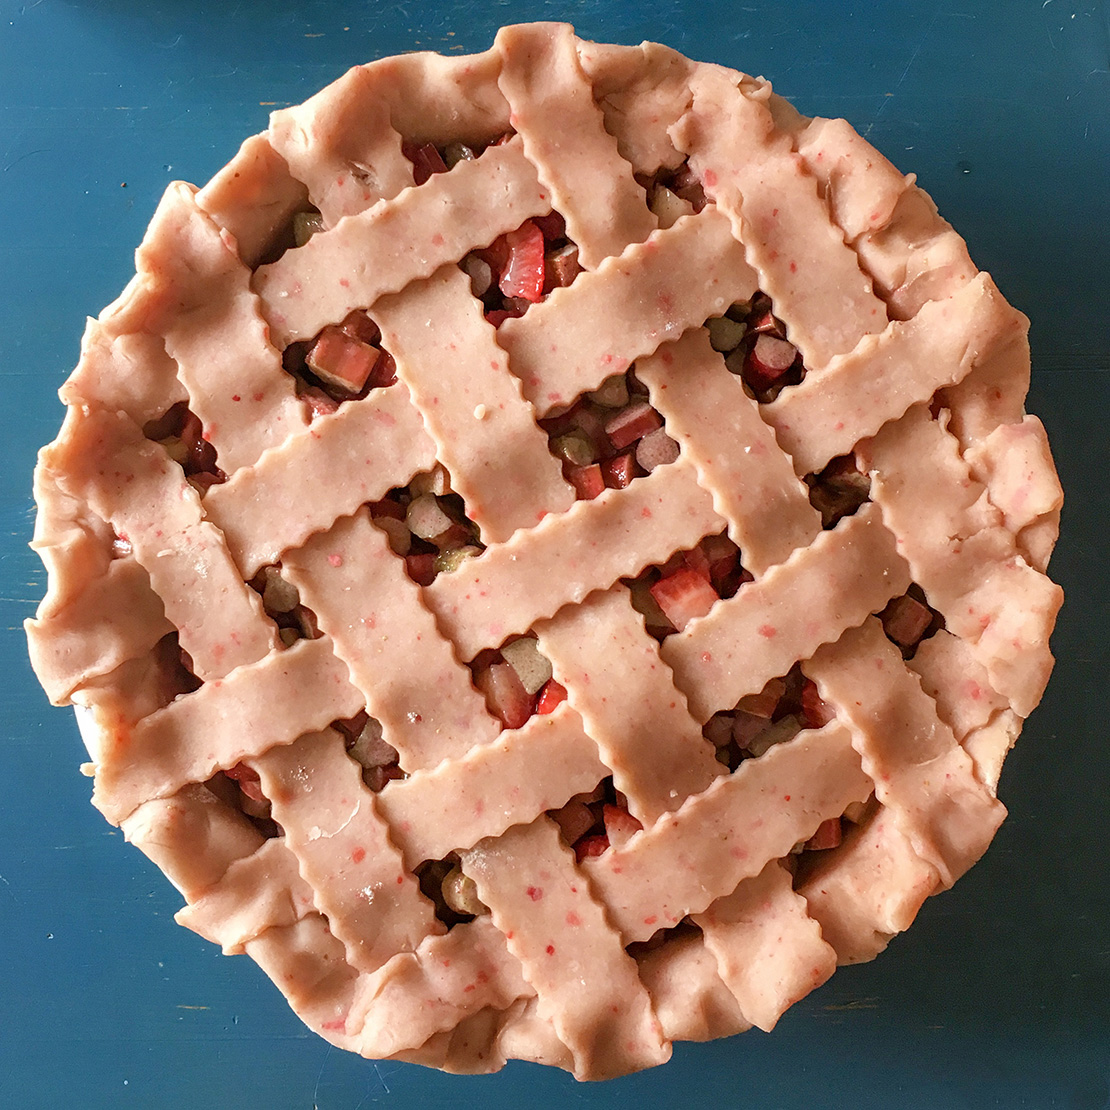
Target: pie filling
[610, 436]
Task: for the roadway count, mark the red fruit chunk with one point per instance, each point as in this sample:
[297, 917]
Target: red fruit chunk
[523, 273]
[551, 695]
[248, 780]
[318, 402]
[387, 507]
[768, 360]
[498, 316]
[697, 560]
[631, 423]
[619, 824]
[341, 361]
[816, 712]
[505, 694]
[574, 820]
[358, 325]
[765, 323]
[561, 267]
[684, 595]
[656, 449]
[619, 471]
[588, 481]
[590, 846]
[425, 160]
[828, 835]
[421, 568]
[385, 373]
[905, 620]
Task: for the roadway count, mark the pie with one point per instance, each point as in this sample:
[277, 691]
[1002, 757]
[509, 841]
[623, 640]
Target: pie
[549, 554]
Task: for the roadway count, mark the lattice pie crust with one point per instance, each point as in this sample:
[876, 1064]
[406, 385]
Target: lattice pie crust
[788, 570]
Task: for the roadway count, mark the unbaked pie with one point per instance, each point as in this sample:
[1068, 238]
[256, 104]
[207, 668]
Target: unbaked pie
[549, 554]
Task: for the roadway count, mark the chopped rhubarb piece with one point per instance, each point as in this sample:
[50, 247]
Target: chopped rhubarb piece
[385, 373]
[725, 333]
[588, 481]
[437, 481]
[523, 273]
[561, 267]
[480, 273]
[784, 729]
[318, 402]
[619, 824]
[574, 820]
[425, 160]
[697, 561]
[905, 620]
[427, 519]
[631, 423]
[532, 668]
[400, 538]
[828, 835]
[684, 595]
[358, 325]
[763, 322]
[421, 568]
[766, 701]
[656, 449]
[687, 185]
[552, 694]
[767, 361]
[370, 749]
[387, 507]
[454, 153]
[746, 727]
[460, 892]
[242, 771]
[574, 446]
[590, 846]
[341, 361]
[505, 694]
[619, 471]
[668, 207]
[612, 393]
[815, 710]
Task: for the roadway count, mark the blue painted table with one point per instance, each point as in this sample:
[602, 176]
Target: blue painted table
[1000, 994]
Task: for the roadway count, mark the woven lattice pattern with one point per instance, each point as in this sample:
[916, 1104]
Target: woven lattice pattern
[705, 922]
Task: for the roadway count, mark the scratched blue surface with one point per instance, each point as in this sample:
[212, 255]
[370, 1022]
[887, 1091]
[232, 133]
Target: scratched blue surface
[1000, 994]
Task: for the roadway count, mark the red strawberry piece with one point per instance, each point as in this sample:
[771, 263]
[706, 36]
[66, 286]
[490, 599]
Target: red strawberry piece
[828, 835]
[619, 471]
[619, 824]
[698, 561]
[505, 694]
[551, 695]
[523, 273]
[552, 225]
[318, 402]
[590, 846]
[766, 701]
[496, 256]
[358, 325]
[561, 267]
[905, 620]
[631, 423]
[421, 568]
[385, 372]
[767, 361]
[588, 481]
[425, 160]
[248, 780]
[341, 361]
[815, 710]
[684, 595]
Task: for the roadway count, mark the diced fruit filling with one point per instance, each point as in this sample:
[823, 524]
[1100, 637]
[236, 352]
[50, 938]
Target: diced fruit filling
[427, 526]
[282, 604]
[168, 675]
[838, 490]
[687, 585]
[609, 437]
[342, 363]
[520, 268]
[776, 714]
[180, 432]
[755, 345]
[453, 894]
[366, 745]
[594, 822]
[672, 194]
[516, 681]
[241, 788]
[909, 619]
